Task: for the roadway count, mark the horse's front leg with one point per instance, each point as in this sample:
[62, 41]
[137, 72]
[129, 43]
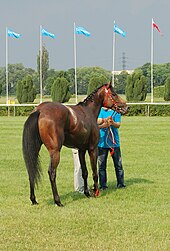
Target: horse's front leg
[84, 171]
[93, 160]
[55, 159]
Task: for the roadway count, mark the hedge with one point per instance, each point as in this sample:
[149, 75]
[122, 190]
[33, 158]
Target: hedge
[134, 110]
[151, 110]
[16, 111]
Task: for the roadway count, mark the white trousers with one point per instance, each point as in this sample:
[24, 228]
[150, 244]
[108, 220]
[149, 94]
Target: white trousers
[78, 179]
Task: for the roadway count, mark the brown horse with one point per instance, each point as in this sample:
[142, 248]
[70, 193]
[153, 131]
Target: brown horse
[54, 125]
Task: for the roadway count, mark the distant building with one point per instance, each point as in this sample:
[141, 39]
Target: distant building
[118, 72]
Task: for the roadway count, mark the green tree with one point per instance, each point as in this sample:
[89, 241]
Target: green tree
[16, 72]
[84, 75]
[60, 90]
[96, 82]
[159, 91]
[45, 65]
[0, 88]
[53, 74]
[120, 82]
[160, 73]
[136, 88]
[25, 90]
[167, 90]
[49, 83]
[19, 91]
[71, 80]
[2, 80]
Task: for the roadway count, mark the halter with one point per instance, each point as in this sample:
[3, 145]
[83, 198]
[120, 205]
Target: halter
[108, 95]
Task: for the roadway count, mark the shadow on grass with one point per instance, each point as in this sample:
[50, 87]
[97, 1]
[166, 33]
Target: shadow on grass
[132, 181]
[129, 182]
[68, 198]
[72, 196]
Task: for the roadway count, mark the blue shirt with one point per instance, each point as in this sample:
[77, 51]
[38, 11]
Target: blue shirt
[109, 137]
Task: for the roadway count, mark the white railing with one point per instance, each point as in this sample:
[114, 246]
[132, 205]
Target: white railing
[138, 103]
[34, 105]
[150, 103]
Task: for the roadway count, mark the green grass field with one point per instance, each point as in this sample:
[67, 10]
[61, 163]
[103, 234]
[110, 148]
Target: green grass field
[136, 218]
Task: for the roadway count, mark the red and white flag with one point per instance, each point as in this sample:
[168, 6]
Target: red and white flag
[155, 26]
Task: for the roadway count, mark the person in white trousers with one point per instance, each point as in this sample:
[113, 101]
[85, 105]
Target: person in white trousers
[78, 179]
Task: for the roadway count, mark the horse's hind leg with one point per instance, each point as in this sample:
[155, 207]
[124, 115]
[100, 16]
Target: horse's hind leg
[84, 171]
[93, 161]
[55, 158]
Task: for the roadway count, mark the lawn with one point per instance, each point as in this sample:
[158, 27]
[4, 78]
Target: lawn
[135, 218]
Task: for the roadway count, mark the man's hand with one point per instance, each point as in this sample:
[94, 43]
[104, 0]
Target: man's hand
[102, 123]
[110, 121]
[105, 123]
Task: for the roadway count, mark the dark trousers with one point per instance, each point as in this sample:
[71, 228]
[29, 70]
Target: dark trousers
[102, 165]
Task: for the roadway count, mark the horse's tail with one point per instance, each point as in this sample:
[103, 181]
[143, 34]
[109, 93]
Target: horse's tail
[31, 144]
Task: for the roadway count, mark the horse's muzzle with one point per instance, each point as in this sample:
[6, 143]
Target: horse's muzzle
[123, 110]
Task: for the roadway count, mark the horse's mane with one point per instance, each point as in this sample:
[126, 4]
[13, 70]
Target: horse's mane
[90, 96]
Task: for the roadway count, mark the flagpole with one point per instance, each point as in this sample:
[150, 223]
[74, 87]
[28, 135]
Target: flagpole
[41, 84]
[113, 67]
[75, 61]
[152, 62]
[6, 65]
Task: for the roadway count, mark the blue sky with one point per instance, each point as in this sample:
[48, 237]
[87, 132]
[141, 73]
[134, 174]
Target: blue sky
[97, 16]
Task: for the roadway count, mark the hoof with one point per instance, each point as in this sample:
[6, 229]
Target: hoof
[34, 203]
[59, 204]
[87, 194]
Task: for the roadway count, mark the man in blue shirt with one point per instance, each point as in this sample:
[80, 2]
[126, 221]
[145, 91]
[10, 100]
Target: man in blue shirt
[109, 122]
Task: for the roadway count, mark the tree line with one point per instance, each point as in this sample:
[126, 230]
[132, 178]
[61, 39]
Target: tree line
[60, 85]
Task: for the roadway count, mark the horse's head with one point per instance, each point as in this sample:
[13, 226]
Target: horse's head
[112, 100]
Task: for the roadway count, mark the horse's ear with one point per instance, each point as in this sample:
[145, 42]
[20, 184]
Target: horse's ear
[109, 84]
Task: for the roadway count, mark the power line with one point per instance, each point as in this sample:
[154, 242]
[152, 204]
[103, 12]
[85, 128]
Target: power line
[123, 61]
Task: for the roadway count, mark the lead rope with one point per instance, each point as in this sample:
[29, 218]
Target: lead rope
[110, 133]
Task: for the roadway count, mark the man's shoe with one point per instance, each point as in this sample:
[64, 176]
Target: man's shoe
[103, 188]
[121, 186]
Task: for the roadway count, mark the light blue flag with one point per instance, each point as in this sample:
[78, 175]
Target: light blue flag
[46, 33]
[119, 31]
[13, 34]
[81, 30]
